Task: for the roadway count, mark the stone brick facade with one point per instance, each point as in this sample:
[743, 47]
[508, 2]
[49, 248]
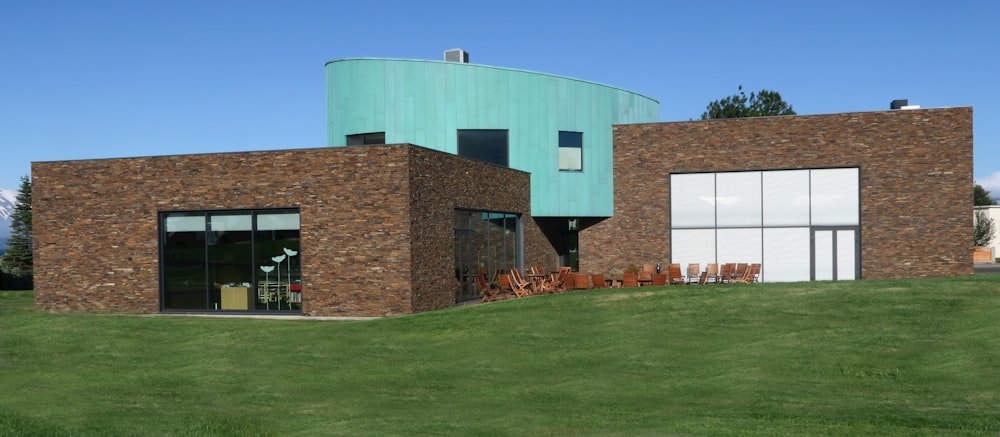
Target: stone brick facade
[916, 180]
[377, 223]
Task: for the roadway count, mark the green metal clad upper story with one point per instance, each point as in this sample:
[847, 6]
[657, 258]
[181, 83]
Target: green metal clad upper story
[556, 128]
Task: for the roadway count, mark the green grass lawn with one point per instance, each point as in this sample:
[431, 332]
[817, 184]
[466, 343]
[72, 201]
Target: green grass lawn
[913, 357]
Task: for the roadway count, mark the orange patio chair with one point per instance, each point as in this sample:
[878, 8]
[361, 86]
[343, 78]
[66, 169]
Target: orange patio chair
[674, 274]
[629, 280]
[693, 273]
[598, 280]
[738, 272]
[520, 281]
[489, 293]
[563, 280]
[725, 273]
[660, 279]
[507, 285]
[711, 273]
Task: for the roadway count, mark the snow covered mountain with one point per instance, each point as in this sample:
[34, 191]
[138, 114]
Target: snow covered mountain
[8, 198]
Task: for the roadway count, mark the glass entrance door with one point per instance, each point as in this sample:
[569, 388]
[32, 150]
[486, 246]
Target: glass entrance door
[835, 254]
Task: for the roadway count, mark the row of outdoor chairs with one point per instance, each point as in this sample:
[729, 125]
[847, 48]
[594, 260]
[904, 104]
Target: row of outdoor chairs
[513, 283]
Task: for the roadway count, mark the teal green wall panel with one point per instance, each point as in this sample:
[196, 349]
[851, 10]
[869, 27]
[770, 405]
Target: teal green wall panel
[426, 102]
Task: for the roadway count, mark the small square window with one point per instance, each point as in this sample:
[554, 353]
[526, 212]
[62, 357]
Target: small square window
[570, 151]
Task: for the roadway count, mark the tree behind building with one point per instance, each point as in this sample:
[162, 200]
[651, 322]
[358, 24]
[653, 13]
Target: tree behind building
[18, 260]
[760, 104]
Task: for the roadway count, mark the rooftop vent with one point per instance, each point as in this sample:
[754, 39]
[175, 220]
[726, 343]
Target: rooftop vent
[902, 104]
[456, 55]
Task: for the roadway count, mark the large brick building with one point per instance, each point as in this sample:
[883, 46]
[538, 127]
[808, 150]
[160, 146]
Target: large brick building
[581, 176]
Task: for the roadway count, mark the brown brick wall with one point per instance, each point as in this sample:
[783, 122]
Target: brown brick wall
[368, 246]
[439, 186]
[916, 177]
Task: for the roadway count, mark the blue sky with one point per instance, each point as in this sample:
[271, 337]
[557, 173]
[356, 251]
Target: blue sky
[103, 79]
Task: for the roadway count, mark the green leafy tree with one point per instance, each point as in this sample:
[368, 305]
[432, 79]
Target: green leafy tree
[981, 197]
[983, 231]
[18, 260]
[760, 104]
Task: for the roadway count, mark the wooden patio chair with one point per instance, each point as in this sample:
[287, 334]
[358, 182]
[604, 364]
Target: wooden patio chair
[489, 293]
[508, 285]
[629, 280]
[598, 280]
[562, 282]
[711, 273]
[660, 279]
[674, 274]
[693, 273]
[522, 281]
[749, 275]
[644, 277]
[738, 272]
[725, 273]
[581, 281]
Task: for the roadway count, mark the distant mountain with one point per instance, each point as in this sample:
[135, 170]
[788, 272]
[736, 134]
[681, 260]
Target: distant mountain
[8, 198]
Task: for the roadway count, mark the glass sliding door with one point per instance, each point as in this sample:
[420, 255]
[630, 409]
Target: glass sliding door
[184, 269]
[276, 257]
[230, 261]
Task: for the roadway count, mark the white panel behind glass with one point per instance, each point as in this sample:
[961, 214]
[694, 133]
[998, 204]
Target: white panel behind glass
[231, 222]
[786, 255]
[185, 224]
[786, 197]
[278, 222]
[570, 158]
[737, 196]
[692, 200]
[692, 246]
[739, 246]
[845, 255]
[824, 255]
[834, 196]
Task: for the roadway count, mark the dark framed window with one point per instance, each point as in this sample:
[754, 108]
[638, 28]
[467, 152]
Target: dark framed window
[366, 139]
[242, 260]
[486, 242]
[489, 145]
[570, 151]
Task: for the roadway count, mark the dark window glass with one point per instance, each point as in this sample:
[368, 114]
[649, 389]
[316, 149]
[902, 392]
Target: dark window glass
[570, 151]
[232, 260]
[485, 243]
[484, 144]
[366, 139]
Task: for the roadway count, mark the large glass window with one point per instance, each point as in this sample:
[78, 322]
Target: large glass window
[489, 145]
[570, 151]
[231, 260]
[692, 200]
[366, 139]
[771, 218]
[485, 243]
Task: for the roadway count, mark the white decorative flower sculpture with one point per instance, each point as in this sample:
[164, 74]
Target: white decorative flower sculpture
[278, 259]
[290, 254]
[267, 271]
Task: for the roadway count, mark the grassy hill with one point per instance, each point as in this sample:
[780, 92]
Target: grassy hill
[914, 357]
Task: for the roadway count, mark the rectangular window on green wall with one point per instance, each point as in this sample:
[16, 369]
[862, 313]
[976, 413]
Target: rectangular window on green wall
[366, 139]
[570, 151]
[489, 145]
